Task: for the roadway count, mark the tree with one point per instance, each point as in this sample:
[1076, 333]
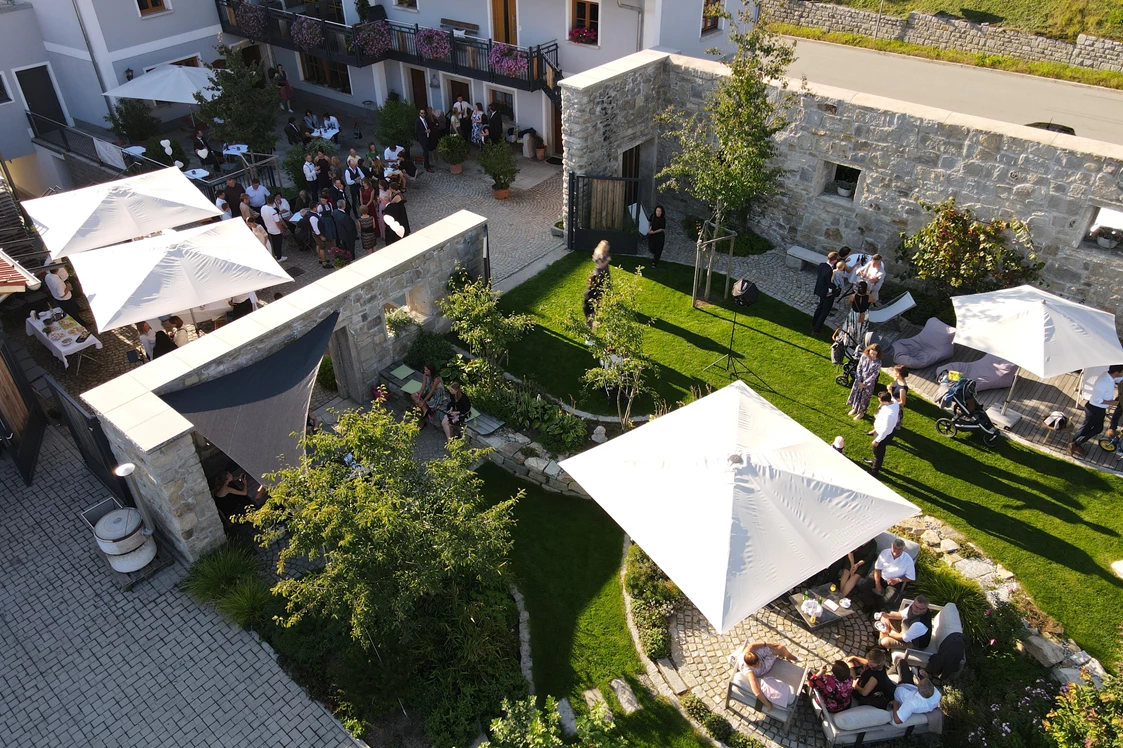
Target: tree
[132, 120]
[477, 320]
[246, 104]
[958, 254]
[394, 123]
[725, 153]
[411, 555]
[616, 342]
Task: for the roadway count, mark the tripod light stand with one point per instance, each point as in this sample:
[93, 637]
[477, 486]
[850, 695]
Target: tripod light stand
[745, 293]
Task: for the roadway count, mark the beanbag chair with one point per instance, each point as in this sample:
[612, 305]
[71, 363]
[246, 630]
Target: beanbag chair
[990, 372]
[931, 346]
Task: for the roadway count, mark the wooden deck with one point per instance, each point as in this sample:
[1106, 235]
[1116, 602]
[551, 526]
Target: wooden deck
[1033, 399]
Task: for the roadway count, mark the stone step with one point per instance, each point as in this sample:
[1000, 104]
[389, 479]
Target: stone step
[670, 674]
[593, 697]
[625, 695]
[568, 718]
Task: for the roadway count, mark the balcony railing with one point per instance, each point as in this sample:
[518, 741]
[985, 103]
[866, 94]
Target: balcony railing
[468, 57]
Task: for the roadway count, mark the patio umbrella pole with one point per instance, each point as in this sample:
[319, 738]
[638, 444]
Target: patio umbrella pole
[1010, 392]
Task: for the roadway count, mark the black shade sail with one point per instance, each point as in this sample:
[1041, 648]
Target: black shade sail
[256, 414]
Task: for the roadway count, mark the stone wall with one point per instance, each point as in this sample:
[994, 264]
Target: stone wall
[946, 32]
[144, 430]
[907, 154]
[518, 455]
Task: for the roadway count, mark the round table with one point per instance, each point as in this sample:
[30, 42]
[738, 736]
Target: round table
[134, 150]
[236, 149]
[197, 174]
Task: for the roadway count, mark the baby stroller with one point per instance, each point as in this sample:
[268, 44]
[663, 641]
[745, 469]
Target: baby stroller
[967, 412]
[845, 351]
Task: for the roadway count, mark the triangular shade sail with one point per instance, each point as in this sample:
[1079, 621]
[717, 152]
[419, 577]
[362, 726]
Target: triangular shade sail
[166, 274]
[1036, 330]
[177, 83]
[115, 212]
[253, 413]
[735, 501]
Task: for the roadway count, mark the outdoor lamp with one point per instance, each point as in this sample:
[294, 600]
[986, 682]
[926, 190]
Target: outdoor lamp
[124, 470]
[128, 74]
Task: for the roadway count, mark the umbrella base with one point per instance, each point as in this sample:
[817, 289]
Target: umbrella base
[1005, 420]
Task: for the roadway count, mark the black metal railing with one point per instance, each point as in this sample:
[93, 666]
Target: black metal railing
[466, 56]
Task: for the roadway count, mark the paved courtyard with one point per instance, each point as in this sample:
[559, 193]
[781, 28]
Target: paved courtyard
[85, 664]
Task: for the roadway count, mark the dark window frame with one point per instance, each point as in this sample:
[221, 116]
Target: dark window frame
[150, 7]
[321, 72]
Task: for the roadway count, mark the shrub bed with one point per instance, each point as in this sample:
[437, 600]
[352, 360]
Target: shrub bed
[654, 599]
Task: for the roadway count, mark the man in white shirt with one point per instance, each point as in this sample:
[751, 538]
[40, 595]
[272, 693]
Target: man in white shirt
[330, 123]
[62, 292]
[873, 273]
[909, 699]
[911, 626]
[353, 177]
[392, 155]
[884, 585]
[274, 227]
[884, 426]
[309, 169]
[258, 193]
[1103, 395]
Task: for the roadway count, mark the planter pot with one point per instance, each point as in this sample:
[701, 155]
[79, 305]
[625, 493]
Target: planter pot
[540, 153]
[502, 194]
[555, 231]
[1106, 243]
[842, 191]
[455, 168]
[120, 532]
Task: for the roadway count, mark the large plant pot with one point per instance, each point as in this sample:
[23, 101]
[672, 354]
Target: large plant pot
[456, 168]
[501, 194]
[1106, 243]
[844, 192]
[540, 153]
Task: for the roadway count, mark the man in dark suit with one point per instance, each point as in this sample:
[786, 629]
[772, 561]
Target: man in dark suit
[494, 123]
[345, 231]
[423, 133]
[826, 290]
[292, 132]
[202, 147]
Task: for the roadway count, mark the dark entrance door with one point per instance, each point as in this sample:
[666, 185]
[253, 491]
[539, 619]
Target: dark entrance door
[598, 209]
[39, 93]
[557, 130]
[21, 419]
[91, 441]
[419, 88]
[458, 88]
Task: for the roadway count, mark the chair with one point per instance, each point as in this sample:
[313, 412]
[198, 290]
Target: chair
[892, 310]
[885, 541]
[861, 725]
[945, 623]
[740, 691]
[931, 346]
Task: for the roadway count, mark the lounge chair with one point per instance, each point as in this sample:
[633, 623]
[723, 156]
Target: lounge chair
[931, 346]
[990, 372]
[893, 309]
[788, 672]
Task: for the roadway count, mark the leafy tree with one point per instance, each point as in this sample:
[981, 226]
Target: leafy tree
[246, 103]
[958, 254]
[394, 123]
[725, 155]
[132, 120]
[525, 726]
[293, 162]
[616, 342]
[410, 554]
[476, 319]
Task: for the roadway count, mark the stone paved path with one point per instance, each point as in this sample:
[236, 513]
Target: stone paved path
[85, 664]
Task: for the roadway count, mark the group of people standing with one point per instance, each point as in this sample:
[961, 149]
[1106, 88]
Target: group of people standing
[863, 275]
[475, 125]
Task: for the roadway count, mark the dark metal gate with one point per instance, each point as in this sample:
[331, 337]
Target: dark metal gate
[599, 208]
[22, 421]
[91, 441]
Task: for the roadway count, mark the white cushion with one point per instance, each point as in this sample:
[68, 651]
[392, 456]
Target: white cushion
[777, 691]
[861, 718]
[946, 622]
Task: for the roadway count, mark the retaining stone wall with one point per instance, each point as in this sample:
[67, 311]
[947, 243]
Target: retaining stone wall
[946, 32]
[506, 451]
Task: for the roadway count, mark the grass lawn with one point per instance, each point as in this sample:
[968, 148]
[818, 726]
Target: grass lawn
[1056, 525]
[567, 560]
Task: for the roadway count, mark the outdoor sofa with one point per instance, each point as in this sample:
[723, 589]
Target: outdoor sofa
[931, 346]
[788, 672]
[861, 725]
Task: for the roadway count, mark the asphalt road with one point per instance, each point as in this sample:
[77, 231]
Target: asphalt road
[1093, 112]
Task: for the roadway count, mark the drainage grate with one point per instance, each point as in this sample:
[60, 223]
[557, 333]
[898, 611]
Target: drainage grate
[295, 271]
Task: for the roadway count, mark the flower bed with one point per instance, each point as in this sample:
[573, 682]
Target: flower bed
[306, 33]
[432, 43]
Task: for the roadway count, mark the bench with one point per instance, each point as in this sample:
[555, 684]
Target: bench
[799, 256]
[400, 379]
[447, 24]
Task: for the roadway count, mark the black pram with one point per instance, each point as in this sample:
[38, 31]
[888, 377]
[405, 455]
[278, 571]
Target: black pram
[967, 413]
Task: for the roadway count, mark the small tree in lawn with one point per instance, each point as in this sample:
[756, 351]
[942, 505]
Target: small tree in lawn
[956, 253]
[246, 103]
[725, 153]
[616, 342]
[477, 320]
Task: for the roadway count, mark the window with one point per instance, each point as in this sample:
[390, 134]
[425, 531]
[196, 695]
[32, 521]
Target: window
[411, 4]
[4, 96]
[504, 101]
[148, 7]
[586, 15]
[334, 11]
[710, 22]
[841, 180]
[1106, 228]
[324, 73]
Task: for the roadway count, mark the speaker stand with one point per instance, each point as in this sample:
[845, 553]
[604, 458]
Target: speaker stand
[731, 361]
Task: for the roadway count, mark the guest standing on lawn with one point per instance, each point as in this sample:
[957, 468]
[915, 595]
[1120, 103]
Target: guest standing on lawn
[1103, 395]
[826, 290]
[865, 379]
[857, 320]
[599, 281]
[884, 429]
[657, 232]
[899, 389]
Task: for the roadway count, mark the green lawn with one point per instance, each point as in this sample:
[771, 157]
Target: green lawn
[1054, 524]
[567, 561]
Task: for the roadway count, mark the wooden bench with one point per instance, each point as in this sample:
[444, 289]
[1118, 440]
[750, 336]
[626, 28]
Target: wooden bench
[799, 256]
[448, 24]
[398, 375]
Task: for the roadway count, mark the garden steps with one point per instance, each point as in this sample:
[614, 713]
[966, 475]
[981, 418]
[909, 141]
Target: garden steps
[593, 696]
[568, 718]
[625, 695]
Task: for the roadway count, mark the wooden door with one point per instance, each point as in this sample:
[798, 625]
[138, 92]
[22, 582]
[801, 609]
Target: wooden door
[22, 422]
[458, 88]
[419, 88]
[504, 21]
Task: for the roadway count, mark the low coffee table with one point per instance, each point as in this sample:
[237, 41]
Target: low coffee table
[828, 616]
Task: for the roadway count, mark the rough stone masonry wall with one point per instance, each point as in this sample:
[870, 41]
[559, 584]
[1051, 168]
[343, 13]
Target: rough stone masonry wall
[909, 153]
[949, 33]
[142, 429]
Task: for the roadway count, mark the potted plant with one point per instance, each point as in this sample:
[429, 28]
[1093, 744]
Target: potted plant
[507, 59]
[454, 150]
[539, 148]
[340, 257]
[432, 43]
[251, 20]
[497, 162]
[1107, 237]
[581, 35]
[845, 189]
[306, 33]
[373, 39]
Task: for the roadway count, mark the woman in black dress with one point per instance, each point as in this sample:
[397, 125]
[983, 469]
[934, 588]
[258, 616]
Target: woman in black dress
[900, 390]
[600, 280]
[656, 232]
[395, 209]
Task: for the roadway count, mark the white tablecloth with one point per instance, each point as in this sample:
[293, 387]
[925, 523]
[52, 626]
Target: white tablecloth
[235, 150]
[197, 174]
[214, 310]
[34, 326]
[328, 134]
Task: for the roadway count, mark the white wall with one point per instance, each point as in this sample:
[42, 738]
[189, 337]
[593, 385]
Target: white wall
[38, 171]
[363, 81]
[78, 81]
[680, 27]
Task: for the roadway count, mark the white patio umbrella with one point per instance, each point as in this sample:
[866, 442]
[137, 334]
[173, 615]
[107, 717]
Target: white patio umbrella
[735, 501]
[114, 212]
[128, 283]
[178, 83]
[1036, 330]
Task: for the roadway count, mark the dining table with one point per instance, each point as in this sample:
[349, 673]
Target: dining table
[60, 336]
[197, 174]
[235, 149]
[325, 133]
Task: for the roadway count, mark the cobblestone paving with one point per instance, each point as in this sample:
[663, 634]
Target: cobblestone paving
[700, 655]
[86, 664]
